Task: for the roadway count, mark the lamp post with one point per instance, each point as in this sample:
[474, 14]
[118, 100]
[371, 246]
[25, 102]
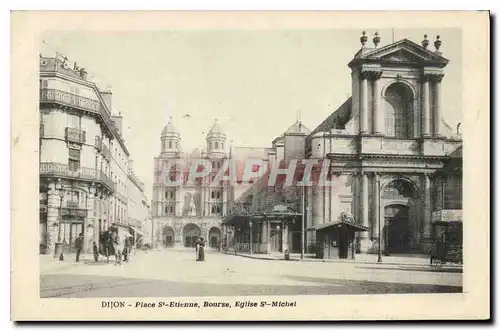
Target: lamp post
[302, 227]
[251, 237]
[379, 259]
[58, 251]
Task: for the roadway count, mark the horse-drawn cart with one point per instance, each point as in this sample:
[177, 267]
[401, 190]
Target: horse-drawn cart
[447, 244]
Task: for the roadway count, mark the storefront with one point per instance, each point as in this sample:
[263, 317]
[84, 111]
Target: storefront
[262, 233]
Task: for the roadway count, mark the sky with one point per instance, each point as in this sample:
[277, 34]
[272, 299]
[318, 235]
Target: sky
[254, 82]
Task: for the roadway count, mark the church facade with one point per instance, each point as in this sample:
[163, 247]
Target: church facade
[394, 164]
[183, 213]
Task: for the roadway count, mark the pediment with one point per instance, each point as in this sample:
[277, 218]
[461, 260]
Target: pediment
[405, 51]
[401, 52]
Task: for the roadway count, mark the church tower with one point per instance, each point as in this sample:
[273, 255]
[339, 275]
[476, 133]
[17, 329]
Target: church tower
[170, 140]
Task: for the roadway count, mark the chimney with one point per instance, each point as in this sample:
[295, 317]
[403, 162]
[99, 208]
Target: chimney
[117, 120]
[106, 96]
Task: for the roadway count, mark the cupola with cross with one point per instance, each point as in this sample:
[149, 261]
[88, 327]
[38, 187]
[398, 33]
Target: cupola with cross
[170, 139]
[216, 140]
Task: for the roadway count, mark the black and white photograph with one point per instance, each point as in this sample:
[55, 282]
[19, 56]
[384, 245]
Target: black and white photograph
[249, 168]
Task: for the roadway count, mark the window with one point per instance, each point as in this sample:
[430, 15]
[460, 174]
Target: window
[398, 116]
[73, 121]
[218, 195]
[222, 145]
[172, 194]
[213, 194]
[166, 194]
[74, 159]
[172, 209]
[166, 209]
[216, 145]
[163, 145]
[170, 144]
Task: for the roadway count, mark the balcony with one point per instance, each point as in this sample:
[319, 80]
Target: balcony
[75, 135]
[85, 174]
[72, 100]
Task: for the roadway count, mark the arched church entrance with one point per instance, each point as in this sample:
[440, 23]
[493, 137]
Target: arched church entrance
[214, 237]
[190, 233]
[400, 223]
[168, 236]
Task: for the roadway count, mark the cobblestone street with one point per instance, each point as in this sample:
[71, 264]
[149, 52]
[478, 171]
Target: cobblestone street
[176, 273]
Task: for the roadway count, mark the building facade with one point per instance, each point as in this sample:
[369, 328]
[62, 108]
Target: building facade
[138, 209]
[183, 213]
[83, 158]
[393, 162]
[390, 149]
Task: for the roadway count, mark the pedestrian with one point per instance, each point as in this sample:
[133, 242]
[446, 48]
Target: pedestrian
[201, 250]
[79, 246]
[197, 247]
[95, 251]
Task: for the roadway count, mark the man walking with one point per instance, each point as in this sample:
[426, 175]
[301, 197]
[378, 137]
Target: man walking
[79, 246]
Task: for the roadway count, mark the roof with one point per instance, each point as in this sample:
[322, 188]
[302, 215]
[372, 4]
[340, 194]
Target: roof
[330, 225]
[295, 128]
[169, 129]
[215, 129]
[337, 120]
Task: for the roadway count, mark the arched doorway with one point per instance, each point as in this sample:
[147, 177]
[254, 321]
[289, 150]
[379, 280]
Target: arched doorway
[398, 115]
[399, 198]
[168, 236]
[398, 229]
[214, 237]
[190, 233]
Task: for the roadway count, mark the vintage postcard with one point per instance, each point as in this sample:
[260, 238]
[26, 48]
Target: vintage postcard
[250, 165]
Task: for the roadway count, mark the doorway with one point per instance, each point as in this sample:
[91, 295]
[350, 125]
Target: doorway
[191, 233]
[168, 236]
[397, 229]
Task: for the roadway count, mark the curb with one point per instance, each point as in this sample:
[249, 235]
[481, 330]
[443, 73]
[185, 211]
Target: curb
[342, 261]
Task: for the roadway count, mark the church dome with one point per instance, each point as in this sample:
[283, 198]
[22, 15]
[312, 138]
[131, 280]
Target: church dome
[169, 129]
[216, 129]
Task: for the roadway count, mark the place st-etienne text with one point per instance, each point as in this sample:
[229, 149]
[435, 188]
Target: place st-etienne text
[204, 304]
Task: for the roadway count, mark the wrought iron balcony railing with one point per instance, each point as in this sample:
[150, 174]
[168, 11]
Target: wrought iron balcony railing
[75, 135]
[49, 169]
[73, 100]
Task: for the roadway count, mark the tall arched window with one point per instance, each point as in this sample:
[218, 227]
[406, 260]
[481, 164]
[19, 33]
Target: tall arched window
[398, 117]
[216, 145]
[170, 144]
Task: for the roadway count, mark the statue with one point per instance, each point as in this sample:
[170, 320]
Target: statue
[192, 208]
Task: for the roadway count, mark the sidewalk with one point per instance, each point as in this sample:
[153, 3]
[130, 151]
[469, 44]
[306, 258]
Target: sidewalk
[410, 260]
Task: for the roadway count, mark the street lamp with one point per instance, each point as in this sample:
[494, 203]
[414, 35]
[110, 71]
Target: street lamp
[379, 259]
[251, 237]
[58, 250]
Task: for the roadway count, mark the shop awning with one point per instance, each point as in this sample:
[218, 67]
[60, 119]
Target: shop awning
[330, 225]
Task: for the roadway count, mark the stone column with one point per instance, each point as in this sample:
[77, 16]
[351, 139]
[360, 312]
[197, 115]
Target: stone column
[364, 103]
[317, 214]
[437, 107]
[378, 112]
[363, 236]
[427, 233]
[310, 235]
[224, 201]
[264, 238]
[425, 107]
